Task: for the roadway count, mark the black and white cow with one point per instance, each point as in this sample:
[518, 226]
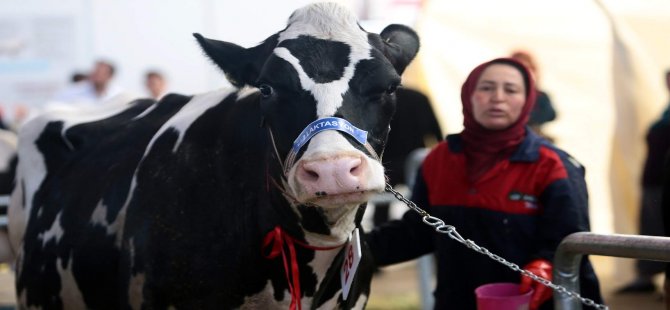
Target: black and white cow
[236, 198]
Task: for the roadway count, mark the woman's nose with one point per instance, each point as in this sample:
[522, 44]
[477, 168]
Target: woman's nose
[498, 94]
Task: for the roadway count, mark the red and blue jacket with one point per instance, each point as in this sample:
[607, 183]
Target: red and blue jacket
[520, 209]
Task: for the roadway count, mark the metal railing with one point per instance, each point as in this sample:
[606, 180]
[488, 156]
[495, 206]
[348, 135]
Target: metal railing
[567, 260]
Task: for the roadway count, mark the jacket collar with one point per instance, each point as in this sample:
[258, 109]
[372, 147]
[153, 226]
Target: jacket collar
[528, 150]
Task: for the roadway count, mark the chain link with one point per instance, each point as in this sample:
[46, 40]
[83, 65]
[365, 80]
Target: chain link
[450, 231]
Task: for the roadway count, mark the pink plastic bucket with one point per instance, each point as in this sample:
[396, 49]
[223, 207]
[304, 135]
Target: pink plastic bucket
[502, 296]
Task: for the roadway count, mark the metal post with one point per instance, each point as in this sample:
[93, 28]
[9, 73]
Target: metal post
[573, 247]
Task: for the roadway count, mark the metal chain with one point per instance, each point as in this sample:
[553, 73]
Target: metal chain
[450, 231]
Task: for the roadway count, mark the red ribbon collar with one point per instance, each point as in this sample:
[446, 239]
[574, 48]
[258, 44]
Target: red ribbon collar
[275, 240]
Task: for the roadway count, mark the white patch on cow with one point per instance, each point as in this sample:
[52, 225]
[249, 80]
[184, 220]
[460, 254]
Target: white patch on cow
[136, 282]
[265, 300]
[181, 121]
[135, 287]
[55, 232]
[331, 22]
[70, 293]
[361, 302]
[119, 222]
[99, 217]
[146, 111]
[327, 21]
[246, 91]
[8, 145]
[17, 218]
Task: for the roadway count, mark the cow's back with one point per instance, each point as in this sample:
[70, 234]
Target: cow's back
[80, 172]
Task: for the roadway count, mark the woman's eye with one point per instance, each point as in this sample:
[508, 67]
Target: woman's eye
[266, 90]
[511, 91]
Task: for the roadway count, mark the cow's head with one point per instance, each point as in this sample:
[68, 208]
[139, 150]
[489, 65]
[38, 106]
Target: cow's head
[324, 65]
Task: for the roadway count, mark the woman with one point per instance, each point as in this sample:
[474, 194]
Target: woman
[501, 186]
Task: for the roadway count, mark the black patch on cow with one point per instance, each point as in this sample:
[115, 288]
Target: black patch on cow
[314, 219]
[205, 227]
[367, 104]
[323, 61]
[7, 177]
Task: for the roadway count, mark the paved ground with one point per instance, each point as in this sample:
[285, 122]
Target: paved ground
[396, 288]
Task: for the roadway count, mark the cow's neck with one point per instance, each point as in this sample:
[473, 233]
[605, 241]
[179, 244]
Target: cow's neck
[327, 226]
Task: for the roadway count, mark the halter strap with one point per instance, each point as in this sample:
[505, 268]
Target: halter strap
[317, 126]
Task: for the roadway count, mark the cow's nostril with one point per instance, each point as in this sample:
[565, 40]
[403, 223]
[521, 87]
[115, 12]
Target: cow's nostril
[310, 175]
[356, 168]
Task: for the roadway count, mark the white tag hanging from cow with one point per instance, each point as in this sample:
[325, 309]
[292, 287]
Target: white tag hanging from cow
[352, 257]
[186, 203]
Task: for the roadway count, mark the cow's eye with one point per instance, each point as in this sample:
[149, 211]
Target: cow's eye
[392, 88]
[266, 90]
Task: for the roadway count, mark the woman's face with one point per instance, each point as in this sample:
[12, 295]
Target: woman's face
[499, 97]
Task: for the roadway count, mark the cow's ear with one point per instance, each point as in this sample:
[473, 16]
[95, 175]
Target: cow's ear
[241, 65]
[401, 45]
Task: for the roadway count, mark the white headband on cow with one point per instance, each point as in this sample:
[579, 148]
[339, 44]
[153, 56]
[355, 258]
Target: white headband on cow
[323, 124]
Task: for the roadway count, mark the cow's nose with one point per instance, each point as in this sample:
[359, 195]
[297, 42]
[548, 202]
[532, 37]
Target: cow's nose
[332, 176]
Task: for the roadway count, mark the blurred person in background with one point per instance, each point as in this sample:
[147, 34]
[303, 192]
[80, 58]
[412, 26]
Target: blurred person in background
[543, 111]
[95, 88]
[502, 186]
[155, 83]
[650, 216]
[77, 77]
